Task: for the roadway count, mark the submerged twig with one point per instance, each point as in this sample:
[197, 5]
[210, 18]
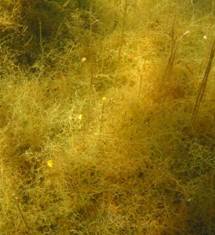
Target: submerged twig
[22, 216]
[173, 50]
[203, 84]
[125, 11]
[102, 116]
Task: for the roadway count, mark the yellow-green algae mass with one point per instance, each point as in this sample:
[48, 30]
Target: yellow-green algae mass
[107, 117]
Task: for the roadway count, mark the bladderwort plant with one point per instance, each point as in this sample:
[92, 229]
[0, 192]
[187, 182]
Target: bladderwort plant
[72, 162]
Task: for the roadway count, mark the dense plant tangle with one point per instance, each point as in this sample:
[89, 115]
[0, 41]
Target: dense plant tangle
[107, 117]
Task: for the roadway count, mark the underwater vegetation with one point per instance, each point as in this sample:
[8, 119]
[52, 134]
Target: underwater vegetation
[107, 117]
